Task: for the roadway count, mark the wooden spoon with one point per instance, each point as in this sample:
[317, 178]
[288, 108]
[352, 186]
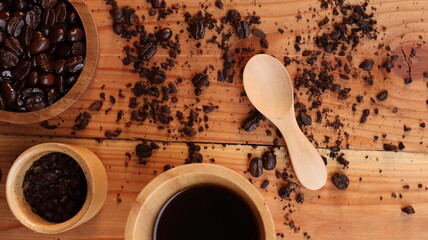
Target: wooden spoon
[269, 89]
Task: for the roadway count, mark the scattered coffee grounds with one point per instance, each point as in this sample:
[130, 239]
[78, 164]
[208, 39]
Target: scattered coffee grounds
[408, 209]
[143, 150]
[194, 155]
[340, 180]
[55, 187]
[46, 125]
[286, 190]
[206, 211]
[300, 198]
[43, 51]
[256, 167]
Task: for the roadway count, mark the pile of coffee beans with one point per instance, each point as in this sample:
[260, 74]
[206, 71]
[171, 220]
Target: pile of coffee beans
[42, 52]
[55, 187]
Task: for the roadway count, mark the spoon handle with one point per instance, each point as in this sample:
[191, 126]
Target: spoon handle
[307, 162]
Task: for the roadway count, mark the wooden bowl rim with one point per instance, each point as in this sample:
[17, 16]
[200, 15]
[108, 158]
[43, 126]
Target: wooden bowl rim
[216, 174]
[82, 83]
[17, 204]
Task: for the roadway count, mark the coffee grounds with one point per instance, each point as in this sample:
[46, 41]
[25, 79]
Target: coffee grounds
[55, 187]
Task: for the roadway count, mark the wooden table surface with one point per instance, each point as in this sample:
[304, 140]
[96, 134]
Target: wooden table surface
[366, 210]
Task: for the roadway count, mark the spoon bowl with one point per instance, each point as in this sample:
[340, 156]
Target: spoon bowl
[268, 86]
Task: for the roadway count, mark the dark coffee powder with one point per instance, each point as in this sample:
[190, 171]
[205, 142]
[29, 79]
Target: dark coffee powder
[206, 212]
[55, 187]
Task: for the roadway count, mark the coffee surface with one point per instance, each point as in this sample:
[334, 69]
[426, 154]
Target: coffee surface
[206, 212]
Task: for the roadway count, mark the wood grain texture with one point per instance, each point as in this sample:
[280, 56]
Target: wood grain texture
[405, 27]
[82, 83]
[357, 213]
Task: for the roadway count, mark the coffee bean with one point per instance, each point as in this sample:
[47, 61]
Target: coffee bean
[264, 43]
[4, 18]
[6, 74]
[219, 4]
[269, 160]
[22, 70]
[367, 65]
[13, 45]
[259, 33]
[143, 150]
[164, 34]
[198, 30]
[147, 51]
[8, 93]
[3, 37]
[200, 80]
[155, 3]
[75, 34]
[78, 49]
[63, 50]
[340, 180]
[382, 95]
[32, 18]
[31, 99]
[74, 64]
[26, 36]
[59, 66]
[32, 79]
[242, 29]
[60, 12]
[44, 62]
[2, 104]
[57, 35]
[14, 26]
[251, 123]
[116, 13]
[46, 79]
[51, 96]
[256, 167]
[60, 84]
[72, 18]
[71, 79]
[8, 60]
[20, 5]
[48, 18]
[157, 77]
[48, 3]
[39, 45]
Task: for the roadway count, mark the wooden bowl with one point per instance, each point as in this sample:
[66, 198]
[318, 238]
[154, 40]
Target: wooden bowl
[96, 179]
[82, 83]
[144, 212]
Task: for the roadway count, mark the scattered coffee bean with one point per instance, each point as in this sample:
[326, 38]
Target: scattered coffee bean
[256, 167]
[264, 184]
[219, 4]
[340, 180]
[243, 29]
[96, 106]
[269, 160]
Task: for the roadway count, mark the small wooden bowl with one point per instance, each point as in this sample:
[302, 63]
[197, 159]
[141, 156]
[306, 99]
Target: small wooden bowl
[96, 179]
[144, 212]
[82, 83]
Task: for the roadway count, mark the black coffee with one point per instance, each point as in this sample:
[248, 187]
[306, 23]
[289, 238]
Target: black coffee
[206, 212]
